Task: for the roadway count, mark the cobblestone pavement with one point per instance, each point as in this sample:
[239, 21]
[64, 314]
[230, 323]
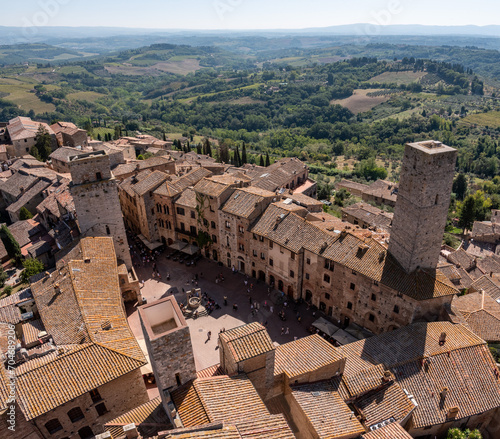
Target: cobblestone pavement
[269, 304]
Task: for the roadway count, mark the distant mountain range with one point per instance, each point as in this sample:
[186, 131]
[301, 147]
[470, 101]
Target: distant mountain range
[15, 35]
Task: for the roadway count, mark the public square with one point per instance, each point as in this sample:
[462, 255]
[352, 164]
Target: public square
[269, 304]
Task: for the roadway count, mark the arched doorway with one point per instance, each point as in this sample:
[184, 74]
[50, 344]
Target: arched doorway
[85, 433]
[281, 287]
[322, 306]
[170, 241]
[272, 281]
[262, 276]
[308, 296]
[290, 291]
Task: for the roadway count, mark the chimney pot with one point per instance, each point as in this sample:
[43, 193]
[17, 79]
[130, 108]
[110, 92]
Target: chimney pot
[442, 338]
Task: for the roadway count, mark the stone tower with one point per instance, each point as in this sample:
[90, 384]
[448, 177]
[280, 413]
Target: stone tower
[97, 206]
[168, 341]
[422, 207]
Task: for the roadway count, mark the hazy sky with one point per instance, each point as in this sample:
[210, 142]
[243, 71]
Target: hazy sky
[248, 14]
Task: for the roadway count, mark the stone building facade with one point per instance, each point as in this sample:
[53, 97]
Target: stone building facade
[97, 205]
[423, 199]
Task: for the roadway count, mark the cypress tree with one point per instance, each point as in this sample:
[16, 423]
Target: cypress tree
[261, 162]
[268, 162]
[10, 243]
[244, 154]
[237, 159]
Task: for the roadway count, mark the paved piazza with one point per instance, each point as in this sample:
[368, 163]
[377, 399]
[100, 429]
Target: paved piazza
[206, 352]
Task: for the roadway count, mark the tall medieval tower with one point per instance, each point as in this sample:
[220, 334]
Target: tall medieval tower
[97, 206]
[422, 207]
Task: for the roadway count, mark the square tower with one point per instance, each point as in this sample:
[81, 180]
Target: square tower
[97, 205]
[168, 341]
[422, 207]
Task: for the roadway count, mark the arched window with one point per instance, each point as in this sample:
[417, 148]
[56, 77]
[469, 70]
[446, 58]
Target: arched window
[53, 426]
[85, 433]
[108, 231]
[75, 414]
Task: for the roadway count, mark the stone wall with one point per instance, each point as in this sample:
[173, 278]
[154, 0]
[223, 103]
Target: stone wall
[119, 396]
[422, 208]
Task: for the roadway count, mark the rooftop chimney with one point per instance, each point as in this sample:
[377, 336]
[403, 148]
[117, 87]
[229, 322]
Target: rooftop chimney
[442, 339]
[130, 431]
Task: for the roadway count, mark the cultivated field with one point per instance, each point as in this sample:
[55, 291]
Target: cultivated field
[490, 119]
[89, 96]
[359, 102]
[398, 77]
[19, 93]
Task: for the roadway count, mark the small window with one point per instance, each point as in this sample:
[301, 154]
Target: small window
[228, 225]
[271, 262]
[53, 426]
[327, 296]
[205, 222]
[101, 409]
[255, 236]
[307, 276]
[214, 239]
[352, 286]
[396, 309]
[94, 394]
[374, 297]
[193, 215]
[308, 261]
[261, 239]
[241, 247]
[371, 317]
[180, 211]
[75, 414]
[254, 253]
[227, 241]
[271, 244]
[178, 379]
[152, 211]
[98, 176]
[193, 230]
[349, 305]
[354, 272]
[108, 231]
[292, 274]
[375, 283]
[292, 256]
[326, 278]
[262, 256]
[212, 224]
[241, 229]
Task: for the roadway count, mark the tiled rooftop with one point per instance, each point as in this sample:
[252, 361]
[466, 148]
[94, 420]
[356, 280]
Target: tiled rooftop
[326, 410]
[304, 355]
[391, 431]
[244, 202]
[247, 341]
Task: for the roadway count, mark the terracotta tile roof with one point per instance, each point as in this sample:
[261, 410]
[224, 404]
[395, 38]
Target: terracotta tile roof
[24, 231]
[9, 311]
[369, 214]
[383, 189]
[143, 182]
[33, 192]
[189, 405]
[187, 199]
[390, 401]
[391, 431]
[216, 399]
[55, 379]
[74, 303]
[149, 418]
[279, 174]
[210, 187]
[364, 381]
[211, 371]
[140, 165]
[15, 185]
[65, 152]
[4, 387]
[218, 431]
[424, 367]
[487, 284]
[31, 329]
[304, 355]
[291, 231]
[462, 259]
[326, 410]
[348, 184]
[24, 128]
[267, 427]
[175, 187]
[244, 202]
[481, 314]
[247, 341]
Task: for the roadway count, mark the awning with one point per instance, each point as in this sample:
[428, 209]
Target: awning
[150, 245]
[342, 337]
[358, 332]
[178, 245]
[146, 369]
[190, 249]
[325, 326]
